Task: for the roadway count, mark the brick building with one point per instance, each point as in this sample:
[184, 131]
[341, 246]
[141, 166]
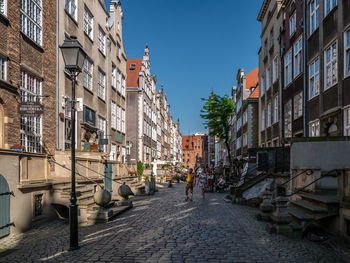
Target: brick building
[27, 73]
[141, 88]
[195, 151]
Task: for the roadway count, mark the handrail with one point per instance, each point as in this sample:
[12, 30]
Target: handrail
[295, 176]
[314, 181]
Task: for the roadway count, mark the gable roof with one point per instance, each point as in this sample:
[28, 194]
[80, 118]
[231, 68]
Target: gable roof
[255, 93]
[132, 79]
[252, 78]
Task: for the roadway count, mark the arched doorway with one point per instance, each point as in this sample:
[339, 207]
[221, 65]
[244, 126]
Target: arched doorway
[4, 207]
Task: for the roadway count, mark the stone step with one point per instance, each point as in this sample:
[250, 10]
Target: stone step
[67, 187]
[79, 192]
[308, 207]
[105, 215]
[320, 199]
[299, 214]
[86, 197]
[88, 203]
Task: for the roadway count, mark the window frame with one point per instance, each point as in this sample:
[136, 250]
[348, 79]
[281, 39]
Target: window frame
[347, 127]
[114, 77]
[288, 120]
[298, 57]
[332, 5]
[100, 87]
[262, 85]
[114, 115]
[298, 108]
[31, 128]
[314, 16]
[330, 63]
[347, 50]
[268, 78]
[263, 119]
[69, 11]
[293, 23]
[87, 109]
[4, 12]
[119, 117]
[3, 68]
[123, 120]
[32, 33]
[88, 23]
[310, 125]
[275, 70]
[89, 73]
[101, 40]
[315, 74]
[288, 56]
[275, 109]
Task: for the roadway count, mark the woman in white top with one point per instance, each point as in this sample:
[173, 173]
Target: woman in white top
[202, 181]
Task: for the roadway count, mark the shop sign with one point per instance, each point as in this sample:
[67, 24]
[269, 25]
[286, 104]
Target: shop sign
[30, 108]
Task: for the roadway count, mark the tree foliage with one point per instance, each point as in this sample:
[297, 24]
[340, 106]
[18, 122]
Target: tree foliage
[217, 112]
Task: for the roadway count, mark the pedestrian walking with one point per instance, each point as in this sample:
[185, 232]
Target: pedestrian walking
[210, 182]
[203, 179]
[189, 184]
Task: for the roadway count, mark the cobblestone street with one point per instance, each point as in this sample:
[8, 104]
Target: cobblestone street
[165, 228]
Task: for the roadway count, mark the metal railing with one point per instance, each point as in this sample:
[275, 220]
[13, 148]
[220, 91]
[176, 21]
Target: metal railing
[295, 176]
[332, 173]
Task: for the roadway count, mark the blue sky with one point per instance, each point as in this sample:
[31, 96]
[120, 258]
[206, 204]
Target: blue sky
[195, 46]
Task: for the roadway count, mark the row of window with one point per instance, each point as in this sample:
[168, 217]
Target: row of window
[314, 126]
[330, 66]
[314, 12]
[271, 119]
[118, 80]
[117, 117]
[264, 86]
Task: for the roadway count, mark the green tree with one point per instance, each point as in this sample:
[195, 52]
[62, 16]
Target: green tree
[217, 111]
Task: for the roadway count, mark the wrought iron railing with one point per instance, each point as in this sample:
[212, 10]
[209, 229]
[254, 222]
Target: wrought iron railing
[332, 173]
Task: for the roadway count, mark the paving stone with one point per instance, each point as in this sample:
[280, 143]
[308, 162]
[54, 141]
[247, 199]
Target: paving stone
[165, 228]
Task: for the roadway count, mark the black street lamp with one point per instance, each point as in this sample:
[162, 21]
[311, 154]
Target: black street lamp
[73, 56]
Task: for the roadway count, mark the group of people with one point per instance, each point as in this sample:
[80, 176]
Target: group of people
[203, 180]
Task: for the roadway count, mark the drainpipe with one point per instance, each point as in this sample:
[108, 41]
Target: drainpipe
[305, 68]
[108, 100]
[282, 90]
[57, 75]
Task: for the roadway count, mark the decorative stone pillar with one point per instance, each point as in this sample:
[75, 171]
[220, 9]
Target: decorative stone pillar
[266, 207]
[281, 218]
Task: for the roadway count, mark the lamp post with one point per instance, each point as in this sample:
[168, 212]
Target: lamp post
[73, 56]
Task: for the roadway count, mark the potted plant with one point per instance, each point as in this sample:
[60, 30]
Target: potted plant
[139, 170]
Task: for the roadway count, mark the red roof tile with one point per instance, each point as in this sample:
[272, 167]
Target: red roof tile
[255, 93]
[252, 78]
[132, 79]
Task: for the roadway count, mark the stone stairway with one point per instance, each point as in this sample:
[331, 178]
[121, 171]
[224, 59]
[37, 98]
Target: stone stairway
[310, 208]
[138, 188]
[85, 199]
